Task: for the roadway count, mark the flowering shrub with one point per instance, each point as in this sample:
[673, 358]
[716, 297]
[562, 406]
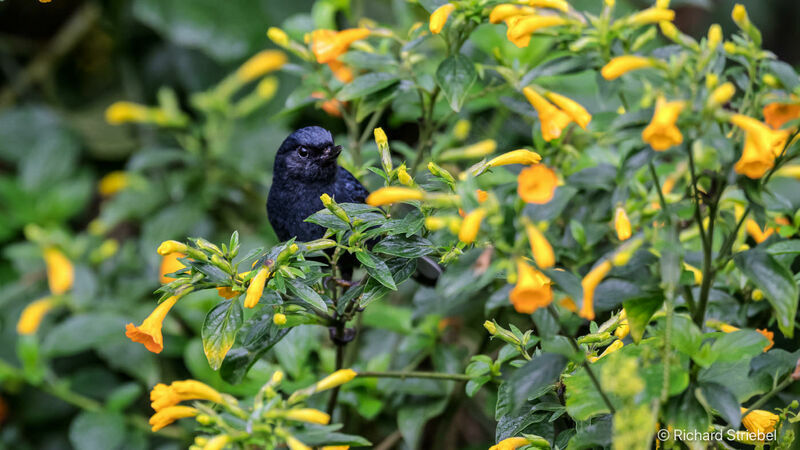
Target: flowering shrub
[613, 203]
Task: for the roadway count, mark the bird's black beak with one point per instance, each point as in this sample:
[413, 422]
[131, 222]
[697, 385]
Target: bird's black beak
[331, 153]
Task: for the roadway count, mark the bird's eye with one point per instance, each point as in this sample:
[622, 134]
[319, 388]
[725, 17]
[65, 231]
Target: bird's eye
[302, 152]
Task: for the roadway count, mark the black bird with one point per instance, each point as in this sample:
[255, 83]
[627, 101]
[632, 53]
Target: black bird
[305, 168]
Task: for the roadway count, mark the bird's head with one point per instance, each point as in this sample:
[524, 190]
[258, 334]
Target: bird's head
[308, 154]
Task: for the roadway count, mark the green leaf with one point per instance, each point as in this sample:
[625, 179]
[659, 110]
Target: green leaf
[639, 312]
[455, 76]
[377, 269]
[534, 377]
[738, 345]
[307, 294]
[411, 419]
[785, 73]
[97, 430]
[405, 247]
[723, 401]
[686, 413]
[219, 331]
[83, 332]
[367, 84]
[257, 336]
[775, 281]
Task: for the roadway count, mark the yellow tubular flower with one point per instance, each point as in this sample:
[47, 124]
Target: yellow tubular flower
[714, 35]
[112, 183]
[560, 5]
[217, 442]
[722, 94]
[278, 36]
[777, 114]
[610, 3]
[623, 329]
[760, 421]
[389, 195]
[60, 273]
[170, 264]
[336, 447]
[435, 223]
[528, 25]
[711, 81]
[168, 247]
[439, 17]
[124, 112]
[279, 319]
[669, 30]
[267, 88]
[380, 138]
[754, 230]
[163, 396]
[309, 415]
[542, 250]
[403, 177]
[662, 133]
[256, 288]
[511, 443]
[479, 149]
[169, 415]
[295, 444]
[616, 345]
[623, 64]
[149, 332]
[260, 64]
[490, 327]
[32, 315]
[651, 15]
[532, 290]
[622, 224]
[537, 184]
[739, 16]
[754, 162]
[521, 156]
[507, 10]
[328, 45]
[335, 379]
[573, 109]
[523, 40]
[589, 283]
[662, 3]
[553, 120]
[227, 292]
[471, 225]
[764, 138]
[461, 129]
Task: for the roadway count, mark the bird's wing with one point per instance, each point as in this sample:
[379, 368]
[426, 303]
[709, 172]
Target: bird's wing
[349, 189]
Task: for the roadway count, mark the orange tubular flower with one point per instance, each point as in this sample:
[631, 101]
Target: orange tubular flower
[149, 332]
[532, 290]
[624, 64]
[256, 288]
[163, 396]
[589, 283]
[542, 250]
[170, 264]
[525, 26]
[760, 421]
[511, 443]
[32, 315]
[574, 110]
[622, 224]
[755, 231]
[776, 114]
[328, 45]
[60, 273]
[553, 119]
[662, 133]
[227, 292]
[507, 10]
[439, 17]
[537, 184]
[471, 225]
[169, 415]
